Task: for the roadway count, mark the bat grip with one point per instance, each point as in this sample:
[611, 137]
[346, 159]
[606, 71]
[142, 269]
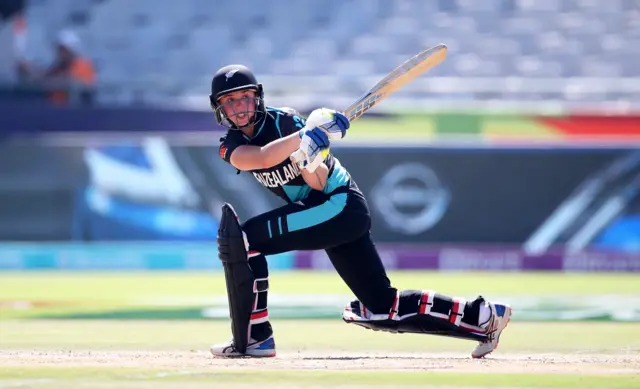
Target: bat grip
[300, 158]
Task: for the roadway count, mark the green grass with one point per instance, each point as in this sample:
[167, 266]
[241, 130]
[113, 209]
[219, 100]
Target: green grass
[608, 338]
[54, 293]
[118, 286]
[94, 291]
[148, 377]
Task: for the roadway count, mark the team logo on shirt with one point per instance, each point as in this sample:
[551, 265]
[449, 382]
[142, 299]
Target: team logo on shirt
[278, 177]
[223, 151]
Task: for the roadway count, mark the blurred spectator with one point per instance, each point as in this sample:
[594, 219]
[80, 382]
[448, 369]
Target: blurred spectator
[8, 8]
[10, 14]
[71, 76]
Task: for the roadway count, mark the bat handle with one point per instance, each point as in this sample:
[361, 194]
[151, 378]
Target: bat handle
[300, 158]
[313, 165]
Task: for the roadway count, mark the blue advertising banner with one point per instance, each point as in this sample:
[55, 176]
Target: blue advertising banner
[532, 200]
[120, 256]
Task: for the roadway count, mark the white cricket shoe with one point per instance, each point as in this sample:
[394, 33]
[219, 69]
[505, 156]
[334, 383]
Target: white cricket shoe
[500, 316]
[263, 349]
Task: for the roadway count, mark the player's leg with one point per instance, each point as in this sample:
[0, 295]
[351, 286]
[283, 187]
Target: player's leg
[428, 312]
[382, 307]
[247, 279]
[360, 266]
[413, 311]
[341, 226]
[243, 250]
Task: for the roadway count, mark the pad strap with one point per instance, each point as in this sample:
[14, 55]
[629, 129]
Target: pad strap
[457, 311]
[259, 312]
[416, 311]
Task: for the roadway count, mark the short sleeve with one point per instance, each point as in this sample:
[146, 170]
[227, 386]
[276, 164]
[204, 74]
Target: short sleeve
[290, 121]
[228, 143]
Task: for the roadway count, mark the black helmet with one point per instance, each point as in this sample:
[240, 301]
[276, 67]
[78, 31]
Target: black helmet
[233, 78]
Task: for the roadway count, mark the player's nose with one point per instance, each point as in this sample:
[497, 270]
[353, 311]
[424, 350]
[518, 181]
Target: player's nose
[240, 103]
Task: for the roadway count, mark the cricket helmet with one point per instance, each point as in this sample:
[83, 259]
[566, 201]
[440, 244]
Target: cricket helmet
[233, 78]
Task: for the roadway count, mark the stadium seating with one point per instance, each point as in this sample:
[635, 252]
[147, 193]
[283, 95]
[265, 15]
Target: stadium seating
[168, 49]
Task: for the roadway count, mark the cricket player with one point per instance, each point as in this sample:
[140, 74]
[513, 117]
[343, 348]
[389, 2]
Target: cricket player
[325, 210]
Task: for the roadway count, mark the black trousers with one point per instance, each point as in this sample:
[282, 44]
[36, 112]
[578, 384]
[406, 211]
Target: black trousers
[338, 223]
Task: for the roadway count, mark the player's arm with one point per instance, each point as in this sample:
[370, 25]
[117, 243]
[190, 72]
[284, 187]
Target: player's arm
[318, 179]
[248, 157]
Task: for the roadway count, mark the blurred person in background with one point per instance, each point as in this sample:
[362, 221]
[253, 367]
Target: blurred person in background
[70, 78]
[10, 20]
[10, 8]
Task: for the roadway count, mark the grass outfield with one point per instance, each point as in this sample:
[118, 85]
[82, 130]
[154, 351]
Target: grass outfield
[118, 286]
[311, 353]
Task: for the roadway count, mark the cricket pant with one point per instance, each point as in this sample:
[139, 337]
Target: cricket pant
[338, 223]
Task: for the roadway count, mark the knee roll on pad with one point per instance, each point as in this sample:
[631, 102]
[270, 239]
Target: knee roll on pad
[232, 246]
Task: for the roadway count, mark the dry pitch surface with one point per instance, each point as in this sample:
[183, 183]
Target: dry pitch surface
[330, 360]
[141, 354]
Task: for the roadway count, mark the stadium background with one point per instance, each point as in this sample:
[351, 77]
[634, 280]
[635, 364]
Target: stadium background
[524, 139]
[516, 157]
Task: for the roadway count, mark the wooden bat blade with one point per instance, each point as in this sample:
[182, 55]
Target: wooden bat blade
[400, 76]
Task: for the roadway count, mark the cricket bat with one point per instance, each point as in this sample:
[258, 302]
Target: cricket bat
[400, 76]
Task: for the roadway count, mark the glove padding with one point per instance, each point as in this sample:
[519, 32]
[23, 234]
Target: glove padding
[314, 148]
[332, 122]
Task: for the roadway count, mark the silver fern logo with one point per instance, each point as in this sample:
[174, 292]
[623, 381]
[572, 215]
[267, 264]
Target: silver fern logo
[230, 73]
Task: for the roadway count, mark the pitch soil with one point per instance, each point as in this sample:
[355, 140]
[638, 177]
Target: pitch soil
[330, 360]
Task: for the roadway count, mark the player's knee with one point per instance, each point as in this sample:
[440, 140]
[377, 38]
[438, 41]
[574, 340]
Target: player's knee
[254, 233]
[358, 225]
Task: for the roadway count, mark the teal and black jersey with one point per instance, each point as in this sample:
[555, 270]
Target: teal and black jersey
[283, 179]
[336, 219]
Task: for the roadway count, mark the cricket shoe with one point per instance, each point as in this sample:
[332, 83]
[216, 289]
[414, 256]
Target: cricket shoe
[262, 349]
[500, 316]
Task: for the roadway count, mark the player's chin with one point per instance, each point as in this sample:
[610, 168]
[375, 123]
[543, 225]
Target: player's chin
[242, 120]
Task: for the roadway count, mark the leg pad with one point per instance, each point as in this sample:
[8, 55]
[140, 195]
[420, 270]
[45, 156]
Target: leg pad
[420, 312]
[238, 275]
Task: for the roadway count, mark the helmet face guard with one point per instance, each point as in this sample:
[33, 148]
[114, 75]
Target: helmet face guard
[234, 78]
[227, 115]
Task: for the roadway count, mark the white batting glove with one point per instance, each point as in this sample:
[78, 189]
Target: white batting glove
[332, 122]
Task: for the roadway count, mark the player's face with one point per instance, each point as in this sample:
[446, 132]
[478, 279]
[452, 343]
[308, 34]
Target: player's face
[239, 106]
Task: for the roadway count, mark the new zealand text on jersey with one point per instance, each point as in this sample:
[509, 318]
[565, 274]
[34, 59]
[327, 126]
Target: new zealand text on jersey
[278, 177]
